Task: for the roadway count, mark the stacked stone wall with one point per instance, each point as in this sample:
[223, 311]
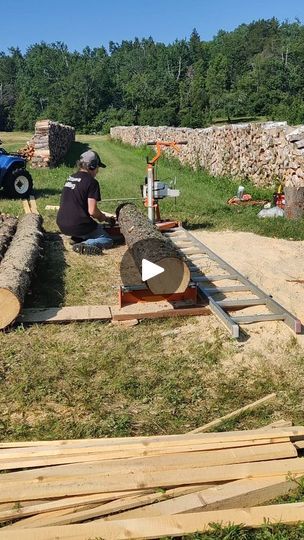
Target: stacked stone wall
[265, 153]
[51, 142]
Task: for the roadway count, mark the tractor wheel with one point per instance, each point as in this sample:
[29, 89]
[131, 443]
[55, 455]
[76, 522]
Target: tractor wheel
[19, 185]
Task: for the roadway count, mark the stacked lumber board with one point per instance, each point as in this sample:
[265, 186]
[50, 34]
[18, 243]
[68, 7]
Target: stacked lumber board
[149, 487]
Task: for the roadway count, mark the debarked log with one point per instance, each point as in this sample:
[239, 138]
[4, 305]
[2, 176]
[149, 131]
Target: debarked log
[7, 230]
[146, 242]
[17, 267]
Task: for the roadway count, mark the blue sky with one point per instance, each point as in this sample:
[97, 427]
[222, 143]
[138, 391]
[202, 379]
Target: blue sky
[96, 22]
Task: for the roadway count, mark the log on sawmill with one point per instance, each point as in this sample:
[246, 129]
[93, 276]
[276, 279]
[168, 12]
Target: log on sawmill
[8, 226]
[146, 242]
[17, 267]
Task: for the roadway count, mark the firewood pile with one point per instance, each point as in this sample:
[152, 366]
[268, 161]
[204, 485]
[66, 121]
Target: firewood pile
[260, 151]
[20, 247]
[27, 152]
[149, 487]
[51, 142]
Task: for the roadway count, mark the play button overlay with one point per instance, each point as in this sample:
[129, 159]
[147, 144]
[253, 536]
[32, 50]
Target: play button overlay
[165, 276]
[150, 270]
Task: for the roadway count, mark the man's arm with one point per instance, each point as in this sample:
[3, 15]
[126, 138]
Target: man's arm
[96, 213]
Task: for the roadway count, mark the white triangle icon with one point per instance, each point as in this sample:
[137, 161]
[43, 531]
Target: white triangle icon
[150, 270]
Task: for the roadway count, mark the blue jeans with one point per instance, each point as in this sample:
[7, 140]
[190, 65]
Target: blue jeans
[99, 237]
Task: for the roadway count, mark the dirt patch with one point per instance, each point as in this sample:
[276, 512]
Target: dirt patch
[272, 264]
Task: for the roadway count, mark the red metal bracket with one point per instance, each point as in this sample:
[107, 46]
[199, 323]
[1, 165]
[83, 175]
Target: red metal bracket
[134, 295]
[165, 225]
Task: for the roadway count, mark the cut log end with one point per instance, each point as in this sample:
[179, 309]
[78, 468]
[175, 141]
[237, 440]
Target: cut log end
[9, 307]
[174, 279]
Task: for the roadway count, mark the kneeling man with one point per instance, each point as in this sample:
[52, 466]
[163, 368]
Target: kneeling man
[78, 208]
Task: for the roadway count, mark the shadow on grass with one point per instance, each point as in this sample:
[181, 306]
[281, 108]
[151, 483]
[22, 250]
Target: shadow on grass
[194, 226]
[48, 287]
[74, 152]
[46, 192]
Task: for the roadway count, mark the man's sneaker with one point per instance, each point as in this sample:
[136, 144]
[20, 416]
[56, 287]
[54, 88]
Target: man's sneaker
[87, 249]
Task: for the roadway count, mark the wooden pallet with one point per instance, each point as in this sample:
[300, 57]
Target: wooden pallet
[198, 256]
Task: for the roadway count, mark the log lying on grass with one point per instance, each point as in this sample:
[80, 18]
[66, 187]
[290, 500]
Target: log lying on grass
[17, 267]
[146, 242]
[7, 230]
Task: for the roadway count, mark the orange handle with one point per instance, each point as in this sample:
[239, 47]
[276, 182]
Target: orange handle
[160, 144]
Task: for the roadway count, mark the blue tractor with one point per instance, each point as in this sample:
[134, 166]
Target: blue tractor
[15, 180]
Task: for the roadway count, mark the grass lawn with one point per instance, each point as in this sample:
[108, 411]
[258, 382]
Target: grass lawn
[92, 379]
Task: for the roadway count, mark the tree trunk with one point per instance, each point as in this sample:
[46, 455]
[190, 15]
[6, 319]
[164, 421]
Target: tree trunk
[146, 242]
[17, 267]
[7, 230]
[294, 205]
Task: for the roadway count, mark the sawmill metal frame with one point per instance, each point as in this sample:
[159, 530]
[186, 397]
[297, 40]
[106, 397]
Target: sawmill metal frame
[209, 289]
[133, 294]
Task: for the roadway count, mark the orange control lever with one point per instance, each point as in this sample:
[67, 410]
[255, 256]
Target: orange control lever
[160, 144]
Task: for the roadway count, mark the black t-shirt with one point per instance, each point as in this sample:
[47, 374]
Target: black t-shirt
[73, 218]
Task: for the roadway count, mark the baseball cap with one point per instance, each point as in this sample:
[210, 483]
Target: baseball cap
[92, 159]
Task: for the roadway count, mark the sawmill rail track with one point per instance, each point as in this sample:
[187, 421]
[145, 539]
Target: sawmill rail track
[198, 257]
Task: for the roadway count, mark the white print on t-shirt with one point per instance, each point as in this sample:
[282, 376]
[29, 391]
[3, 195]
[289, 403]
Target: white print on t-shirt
[69, 183]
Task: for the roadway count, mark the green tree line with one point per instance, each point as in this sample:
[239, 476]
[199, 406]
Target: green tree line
[256, 70]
